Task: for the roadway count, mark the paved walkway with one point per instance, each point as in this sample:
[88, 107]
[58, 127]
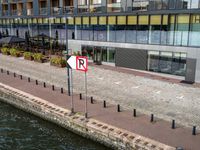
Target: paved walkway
[159, 130]
[121, 86]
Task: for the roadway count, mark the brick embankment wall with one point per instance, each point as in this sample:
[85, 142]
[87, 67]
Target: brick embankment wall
[98, 131]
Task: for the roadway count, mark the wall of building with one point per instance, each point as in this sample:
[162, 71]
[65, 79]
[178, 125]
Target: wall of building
[192, 53]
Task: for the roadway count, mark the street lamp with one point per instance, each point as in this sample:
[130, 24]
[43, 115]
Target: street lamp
[68, 70]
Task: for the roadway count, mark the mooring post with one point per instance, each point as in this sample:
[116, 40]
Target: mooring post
[14, 74]
[1, 70]
[80, 96]
[173, 124]
[91, 100]
[21, 77]
[118, 108]
[8, 72]
[44, 84]
[29, 80]
[152, 117]
[53, 87]
[61, 90]
[104, 104]
[194, 130]
[36, 82]
[134, 112]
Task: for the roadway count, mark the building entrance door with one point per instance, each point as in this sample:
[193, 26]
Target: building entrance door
[98, 55]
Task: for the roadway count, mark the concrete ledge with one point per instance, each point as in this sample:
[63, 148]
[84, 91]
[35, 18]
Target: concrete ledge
[90, 128]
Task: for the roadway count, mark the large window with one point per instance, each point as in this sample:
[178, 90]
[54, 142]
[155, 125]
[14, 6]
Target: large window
[120, 33]
[167, 62]
[143, 29]
[140, 5]
[194, 31]
[113, 5]
[181, 30]
[154, 30]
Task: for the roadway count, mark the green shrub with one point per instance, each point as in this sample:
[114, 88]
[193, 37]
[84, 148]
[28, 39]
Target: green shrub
[14, 52]
[58, 61]
[28, 55]
[5, 50]
[38, 56]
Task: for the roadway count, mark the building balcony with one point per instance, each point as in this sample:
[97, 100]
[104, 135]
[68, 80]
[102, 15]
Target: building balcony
[29, 12]
[68, 10]
[114, 7]
[43, 11]
[5, 13]
[56, 11]
[16, 12]
[83, 9]
[95, 8]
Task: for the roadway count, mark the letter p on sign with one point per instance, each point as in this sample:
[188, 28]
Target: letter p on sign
[82, 63]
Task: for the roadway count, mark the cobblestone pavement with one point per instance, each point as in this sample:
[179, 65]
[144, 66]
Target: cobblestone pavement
[166, 100]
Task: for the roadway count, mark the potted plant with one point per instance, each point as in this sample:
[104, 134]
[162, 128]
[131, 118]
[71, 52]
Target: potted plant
[14, 52]
[5, 51]
[28, 56]
[38, 57]
[58, 62]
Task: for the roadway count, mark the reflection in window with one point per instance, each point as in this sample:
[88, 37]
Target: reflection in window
[86, 32]
[111, 34]
[194, 31]
[167, 62]
[131, 33]
[142, 34]
[120, 33]
[181, 32]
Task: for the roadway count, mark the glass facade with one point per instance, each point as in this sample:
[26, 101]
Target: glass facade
[177, 30]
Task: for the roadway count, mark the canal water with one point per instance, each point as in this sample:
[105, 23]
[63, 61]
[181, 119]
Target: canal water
[22, 131]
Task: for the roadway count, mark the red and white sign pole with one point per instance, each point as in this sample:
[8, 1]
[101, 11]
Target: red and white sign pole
[79, 63]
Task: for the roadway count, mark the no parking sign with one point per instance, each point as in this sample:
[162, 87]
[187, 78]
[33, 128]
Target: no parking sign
[78, 63]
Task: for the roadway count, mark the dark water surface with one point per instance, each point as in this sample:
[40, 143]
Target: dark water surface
[22, 131]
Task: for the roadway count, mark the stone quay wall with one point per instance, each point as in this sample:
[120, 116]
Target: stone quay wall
[105, 134]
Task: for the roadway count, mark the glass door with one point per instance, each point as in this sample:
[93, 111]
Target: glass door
[97, 55]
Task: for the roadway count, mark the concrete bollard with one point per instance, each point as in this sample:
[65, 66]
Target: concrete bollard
[134, 112]
[91, 100]
[8, 72]
[61, 90]
[14, 74]
[104, 104]
[36, 82]
[1, 70]
[173, 124]
[118, 108]
[21, 77]
[44, 85]
[53, 87]
[80, 96]
[194, 130]
[29, 80]
[152, 118]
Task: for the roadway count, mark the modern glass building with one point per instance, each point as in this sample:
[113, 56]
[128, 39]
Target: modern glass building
[153, 35]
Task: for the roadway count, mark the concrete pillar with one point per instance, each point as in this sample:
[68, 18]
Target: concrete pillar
[61, 6]
[129, 5]
[24, 11]
[104, 6]
[48, 7]
[75, 7]
[9, 9]
[35, 7]
[123, 5]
